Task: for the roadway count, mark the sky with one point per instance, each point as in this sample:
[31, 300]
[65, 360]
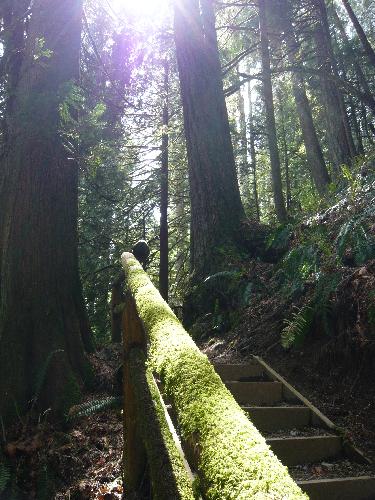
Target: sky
[141, 8]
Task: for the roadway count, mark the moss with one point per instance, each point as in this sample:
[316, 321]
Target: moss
[234, 460]
[168, 474]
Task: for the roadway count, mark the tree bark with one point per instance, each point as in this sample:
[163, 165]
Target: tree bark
[164, 257]
[270, 114]
[253, 155]
[360, 32]
[243, 167]
[339, 139]
[216, 208]
[284, 142]
[314, 152]
[354, 60]
[41, 349]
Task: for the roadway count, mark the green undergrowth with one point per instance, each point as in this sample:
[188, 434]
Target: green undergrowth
[234, 460]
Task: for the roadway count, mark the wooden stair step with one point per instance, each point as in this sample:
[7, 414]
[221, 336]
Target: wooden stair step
[257, 393]
[341, 488]
[304, 450]
[239, 372]
[273, 418]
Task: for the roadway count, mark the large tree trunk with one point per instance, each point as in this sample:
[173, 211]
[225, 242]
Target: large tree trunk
[361, 34]
[270, 114]
[216, 209]
[314, 153]
[339, 138]
[41, 349]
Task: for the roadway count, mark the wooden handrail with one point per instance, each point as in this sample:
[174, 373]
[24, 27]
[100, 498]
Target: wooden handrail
[148, 442]
[230, 456]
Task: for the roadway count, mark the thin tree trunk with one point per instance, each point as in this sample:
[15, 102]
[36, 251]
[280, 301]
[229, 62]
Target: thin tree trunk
[354, 60]
[216, 208]
[253, 154]
[314, 152]
[243, 170]
[270, 115]
[353, 114]
[164, 256]
[285, 154]
[361, 34]
[41, 350]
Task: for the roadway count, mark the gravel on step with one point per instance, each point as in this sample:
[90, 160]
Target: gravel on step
[330, 469]
[304, 432]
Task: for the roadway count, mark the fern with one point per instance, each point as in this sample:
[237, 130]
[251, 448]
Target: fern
[297, 327]
[354, 233]
[319, 306]
[96, 406]
[4, 476]
[280, 237]
[298, 265]
[325, 287]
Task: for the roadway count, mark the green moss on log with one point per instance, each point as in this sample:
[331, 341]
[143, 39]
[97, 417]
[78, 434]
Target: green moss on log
[234, 460]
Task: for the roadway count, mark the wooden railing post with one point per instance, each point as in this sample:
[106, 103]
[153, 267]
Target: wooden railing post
[117, 300]
[134, 455]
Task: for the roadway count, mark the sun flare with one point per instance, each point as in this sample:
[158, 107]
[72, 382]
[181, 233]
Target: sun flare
[141, 8]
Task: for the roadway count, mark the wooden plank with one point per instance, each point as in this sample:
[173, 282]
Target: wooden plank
[170, 474]
[273, 418]
[304, 450]
[317, 417]
[348, 488]
[259, 393]
[237, 372]
[134, 454]
[291, 394]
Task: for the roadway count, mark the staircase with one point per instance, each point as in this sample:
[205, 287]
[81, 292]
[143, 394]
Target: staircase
[321, 460]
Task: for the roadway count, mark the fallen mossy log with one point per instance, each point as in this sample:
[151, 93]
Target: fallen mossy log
[169, 478]
[233, 459]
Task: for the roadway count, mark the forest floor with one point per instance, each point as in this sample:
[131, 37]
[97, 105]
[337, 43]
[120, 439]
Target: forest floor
[81, 459]
[78, 460]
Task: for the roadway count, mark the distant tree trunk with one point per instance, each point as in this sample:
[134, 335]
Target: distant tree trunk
[216, 208]
[285, 153]
[164, 257]
[370, 100]
[314, 152]
[41, 306]
[361, 34]
[253, 155]
[351, 104]
[339, 138]
[243, 170]
[365, 124]
[270, 114]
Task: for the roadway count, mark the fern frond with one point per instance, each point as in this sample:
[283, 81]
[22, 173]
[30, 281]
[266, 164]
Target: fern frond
[4, 476]
[297, 327]
[96, 406]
